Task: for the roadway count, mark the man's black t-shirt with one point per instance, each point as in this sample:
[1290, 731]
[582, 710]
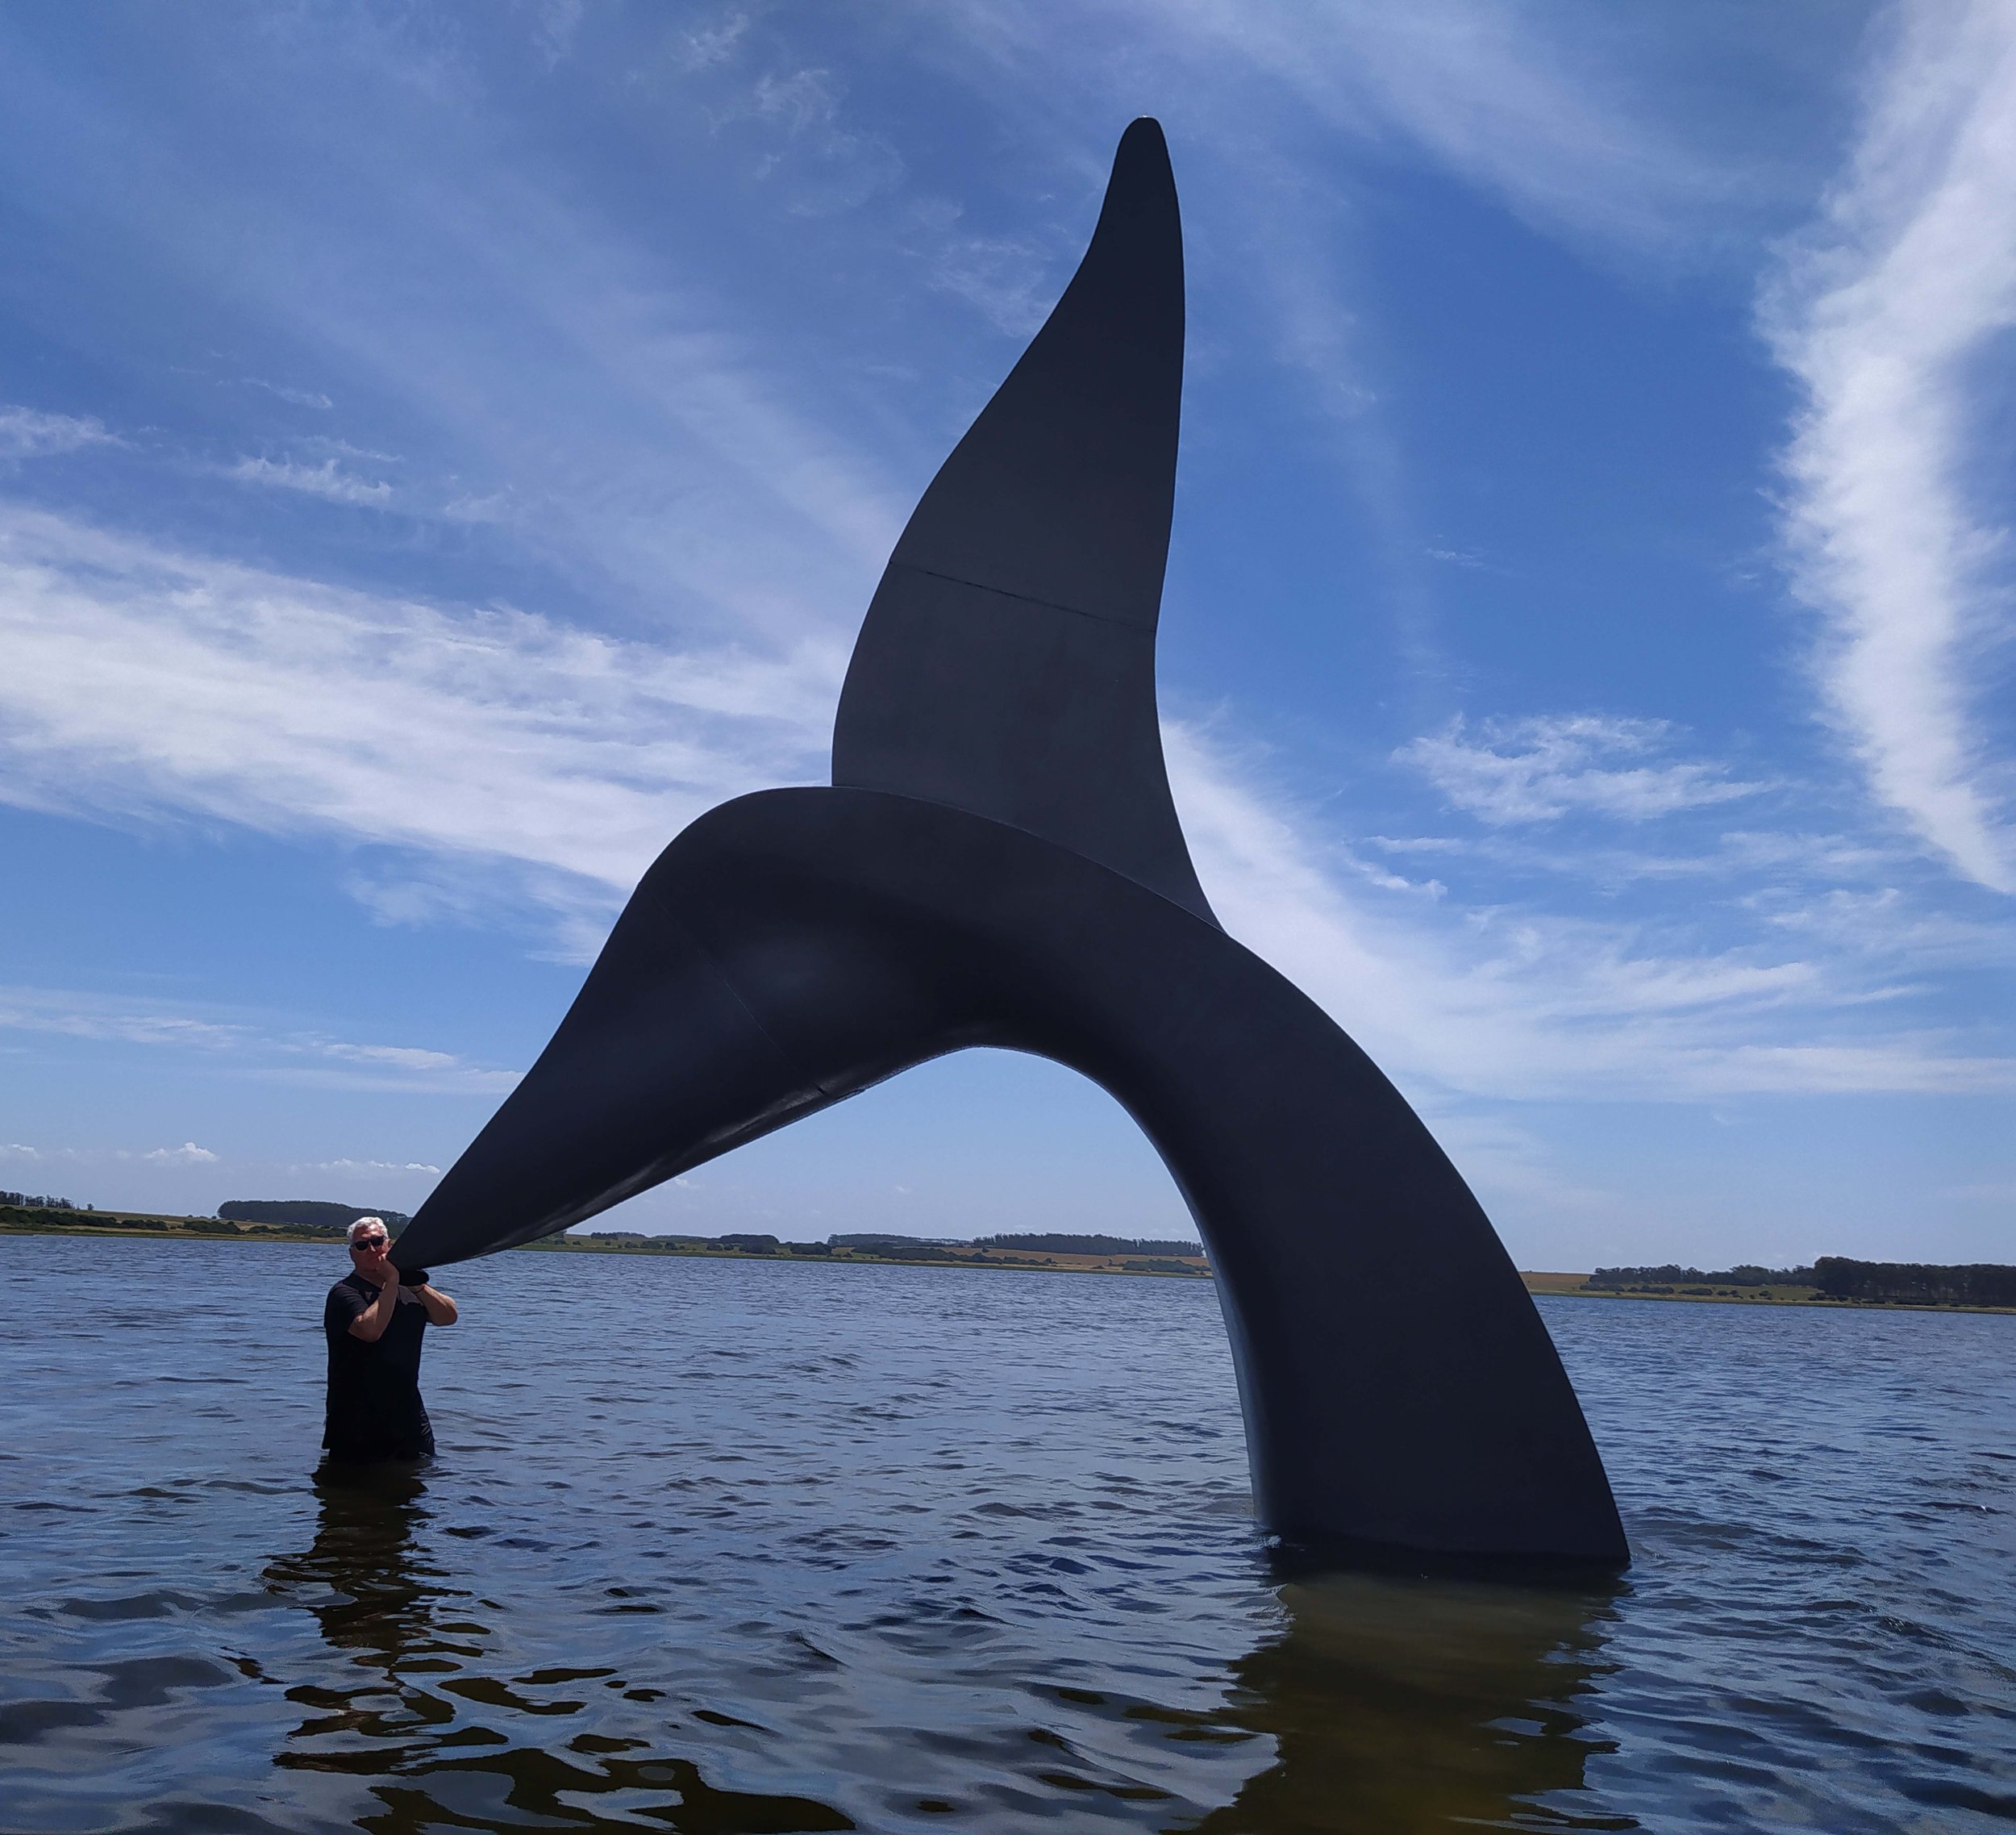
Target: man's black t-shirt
[374, 1411]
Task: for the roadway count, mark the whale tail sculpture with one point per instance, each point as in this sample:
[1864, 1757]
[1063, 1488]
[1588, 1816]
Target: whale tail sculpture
[998, 863]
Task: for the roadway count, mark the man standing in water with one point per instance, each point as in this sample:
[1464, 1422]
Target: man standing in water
[374, 1319]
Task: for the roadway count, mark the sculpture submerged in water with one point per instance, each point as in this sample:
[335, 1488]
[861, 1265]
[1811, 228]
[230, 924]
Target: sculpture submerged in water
[998, 863]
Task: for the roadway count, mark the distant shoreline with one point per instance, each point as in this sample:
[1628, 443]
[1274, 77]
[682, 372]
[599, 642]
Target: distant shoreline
[1575, 1286]
[137, 1227]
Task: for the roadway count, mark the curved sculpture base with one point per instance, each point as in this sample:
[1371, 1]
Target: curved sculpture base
[1402, 1396]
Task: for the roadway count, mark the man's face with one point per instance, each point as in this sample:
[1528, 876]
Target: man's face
[368, 1251]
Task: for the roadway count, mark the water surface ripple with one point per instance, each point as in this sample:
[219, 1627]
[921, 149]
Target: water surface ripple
[725, 1546]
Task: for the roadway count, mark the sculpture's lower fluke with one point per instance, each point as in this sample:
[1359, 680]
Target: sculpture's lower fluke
[1402, 1397]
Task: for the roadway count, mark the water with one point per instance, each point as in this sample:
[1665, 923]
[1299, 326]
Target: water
[720, 1546]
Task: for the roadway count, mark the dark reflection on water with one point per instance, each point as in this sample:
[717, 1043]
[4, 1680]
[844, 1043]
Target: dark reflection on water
[728, 1547]
[394, 1614]
[1389, 1705]
[361, 1578]
[1398, 1706]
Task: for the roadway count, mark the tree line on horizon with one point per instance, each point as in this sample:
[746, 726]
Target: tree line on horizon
[312, 1212]
[302, 1217]
[1052, 1243]
[1916, 1283]
[1835, 1276]
[1670, 1274]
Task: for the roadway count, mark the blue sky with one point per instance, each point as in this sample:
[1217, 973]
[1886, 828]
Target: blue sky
[443, 450]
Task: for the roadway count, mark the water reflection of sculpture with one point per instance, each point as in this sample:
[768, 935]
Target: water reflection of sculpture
[999, 863]
[1399, 1705]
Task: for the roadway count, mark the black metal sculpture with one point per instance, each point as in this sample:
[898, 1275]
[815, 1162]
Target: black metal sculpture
[999, 863]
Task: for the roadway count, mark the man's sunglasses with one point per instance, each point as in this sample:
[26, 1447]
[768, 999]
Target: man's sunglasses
[369, 1242]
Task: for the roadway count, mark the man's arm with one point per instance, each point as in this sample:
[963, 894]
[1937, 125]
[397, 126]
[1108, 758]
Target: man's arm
[370, 1323]
[440, 1309]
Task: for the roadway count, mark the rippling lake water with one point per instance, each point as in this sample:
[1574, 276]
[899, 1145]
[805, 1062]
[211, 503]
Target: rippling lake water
[734, 1546]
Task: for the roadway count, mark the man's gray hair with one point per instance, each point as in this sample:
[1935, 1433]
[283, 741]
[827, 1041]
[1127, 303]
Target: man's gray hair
[357, 1224]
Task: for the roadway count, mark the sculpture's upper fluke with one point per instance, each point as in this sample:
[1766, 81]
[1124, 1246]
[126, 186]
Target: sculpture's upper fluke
[1007, 663]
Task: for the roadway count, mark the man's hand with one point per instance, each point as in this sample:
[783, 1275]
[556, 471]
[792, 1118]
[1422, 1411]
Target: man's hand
[369, 1324]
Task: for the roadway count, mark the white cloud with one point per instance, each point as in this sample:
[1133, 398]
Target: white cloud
[499, 740]
[1481, 1001]
[1480, 88]
[155, 682]
[401, 1166]
[1565, 125]
[1788, 860]
[828, 166]
[580, 390]
[33, 1010]
[25, 433]
[1538, 770]
[301, 397]
[328, 480]
[1883, 922]
[271, 1051]
[146, 680]
[1923, 1065]
[712, 44]
[1007, 278]
[399, 1057]
[1883, 314]
[555, 28]
[159, 682]
[188, 1154]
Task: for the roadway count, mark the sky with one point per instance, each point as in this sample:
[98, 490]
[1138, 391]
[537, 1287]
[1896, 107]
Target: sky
[443, 450]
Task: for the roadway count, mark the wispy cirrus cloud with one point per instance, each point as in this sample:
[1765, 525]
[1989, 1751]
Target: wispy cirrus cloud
[36, 1010]
[1485, 91]
[1574, 128]
[28, 433]
[297, 1054]
[734, 495]
[298, 398]
[149, 680]
[398, 1057]
[167, 684]
[1461, 1000]
[1880, 924]
[188, 1154]
[1884, 313]
[401, 1166]
[328, 481]
[1540, 769]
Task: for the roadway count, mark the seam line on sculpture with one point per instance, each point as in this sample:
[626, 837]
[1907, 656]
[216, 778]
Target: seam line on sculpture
[1206, 916]
[1028, 598]
[734, 993]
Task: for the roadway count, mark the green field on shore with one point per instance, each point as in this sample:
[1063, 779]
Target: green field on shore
[36, 1221]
